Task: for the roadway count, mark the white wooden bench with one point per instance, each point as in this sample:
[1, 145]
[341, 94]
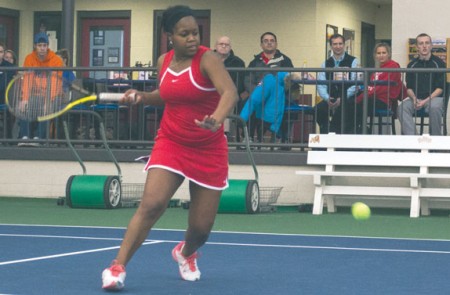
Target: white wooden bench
[386, 166]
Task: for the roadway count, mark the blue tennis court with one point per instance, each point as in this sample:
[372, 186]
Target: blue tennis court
[69, 260]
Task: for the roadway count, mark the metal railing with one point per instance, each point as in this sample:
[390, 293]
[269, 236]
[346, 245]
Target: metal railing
[135, 126]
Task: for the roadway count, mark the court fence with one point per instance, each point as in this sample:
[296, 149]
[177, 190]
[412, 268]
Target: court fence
[282, 125]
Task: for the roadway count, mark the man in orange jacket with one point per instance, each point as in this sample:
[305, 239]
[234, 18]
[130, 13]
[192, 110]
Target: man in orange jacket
[42, 56]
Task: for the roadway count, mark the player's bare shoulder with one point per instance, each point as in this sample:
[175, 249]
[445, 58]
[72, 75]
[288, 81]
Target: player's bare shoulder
[211, 62]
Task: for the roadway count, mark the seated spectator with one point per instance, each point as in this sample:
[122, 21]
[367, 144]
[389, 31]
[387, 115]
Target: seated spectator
[382, 97]
[68, 79]
[5, 77]
[11, 57]
[425, 90]
[329, 114]
[68, 76]
[269, 57]
[224, 49]
[267, 101]
[230, 60]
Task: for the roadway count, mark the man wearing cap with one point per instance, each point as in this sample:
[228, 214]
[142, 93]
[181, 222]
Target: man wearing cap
[42, 56]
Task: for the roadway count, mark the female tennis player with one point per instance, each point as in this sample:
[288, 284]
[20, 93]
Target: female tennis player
[198, 94]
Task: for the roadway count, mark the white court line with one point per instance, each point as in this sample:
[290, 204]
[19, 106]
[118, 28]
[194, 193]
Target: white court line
[333, 248]
[60, 237]
[69, 254]
[232, 232]
[148, 242]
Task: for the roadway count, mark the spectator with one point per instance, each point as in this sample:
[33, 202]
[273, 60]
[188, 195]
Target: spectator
[269, 57]
[425, 90]
[382, 97]
[335, 95]
[11, 57]
[5, 77]
[68, 76]
[42, 56]
[224, 48]
[68, 79]
[198, 94]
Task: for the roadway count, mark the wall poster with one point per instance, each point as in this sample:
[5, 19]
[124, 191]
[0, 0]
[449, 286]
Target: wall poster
[349, 36]
[97, 57]
[113, 54]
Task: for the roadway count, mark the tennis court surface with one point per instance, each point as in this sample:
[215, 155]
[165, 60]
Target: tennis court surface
[42, 257]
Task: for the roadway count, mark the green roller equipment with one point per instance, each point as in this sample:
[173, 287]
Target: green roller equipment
[93, 191]
[242, 196]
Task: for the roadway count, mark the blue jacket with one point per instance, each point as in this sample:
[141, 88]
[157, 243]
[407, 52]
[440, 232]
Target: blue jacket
[267, 101]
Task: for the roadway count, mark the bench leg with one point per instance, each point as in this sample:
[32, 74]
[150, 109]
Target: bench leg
[424, 207]
[318, 201]
[415, 203]
[331, 207]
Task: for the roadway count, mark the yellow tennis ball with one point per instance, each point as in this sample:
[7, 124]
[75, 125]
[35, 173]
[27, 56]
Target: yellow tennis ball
[360, 211]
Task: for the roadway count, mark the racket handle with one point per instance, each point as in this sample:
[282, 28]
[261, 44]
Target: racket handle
[112, 96]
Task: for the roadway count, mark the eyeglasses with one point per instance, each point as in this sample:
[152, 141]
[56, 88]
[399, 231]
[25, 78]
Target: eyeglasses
[267, 41]
[224, 45]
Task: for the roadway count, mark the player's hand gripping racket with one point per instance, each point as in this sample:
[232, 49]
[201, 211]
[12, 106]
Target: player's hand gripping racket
[41, 96]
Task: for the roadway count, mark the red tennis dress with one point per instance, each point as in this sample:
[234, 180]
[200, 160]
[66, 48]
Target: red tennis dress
[181, 146]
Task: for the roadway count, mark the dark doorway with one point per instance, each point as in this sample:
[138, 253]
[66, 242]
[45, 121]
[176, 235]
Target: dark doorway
[48, 22]
[161, 44]
[367, 45]
[9, 28]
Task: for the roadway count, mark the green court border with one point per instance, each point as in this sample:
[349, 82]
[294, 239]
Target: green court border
[390, 223]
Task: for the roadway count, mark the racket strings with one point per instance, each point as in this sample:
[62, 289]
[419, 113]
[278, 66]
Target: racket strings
[38, 94]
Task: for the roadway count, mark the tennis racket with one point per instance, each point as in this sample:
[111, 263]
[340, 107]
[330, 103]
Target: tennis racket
[43, 95]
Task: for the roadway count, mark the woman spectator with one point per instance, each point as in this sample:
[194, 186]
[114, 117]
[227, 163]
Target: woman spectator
[11, 57]
[68, 76]
[385, 96]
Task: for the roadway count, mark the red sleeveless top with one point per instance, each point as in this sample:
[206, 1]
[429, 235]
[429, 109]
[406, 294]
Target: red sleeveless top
[181, 146]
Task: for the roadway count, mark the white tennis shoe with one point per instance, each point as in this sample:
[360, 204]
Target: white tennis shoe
[188, 265]
[113, 277]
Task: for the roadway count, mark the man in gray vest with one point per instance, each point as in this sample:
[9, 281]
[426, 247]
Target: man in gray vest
[335, 113]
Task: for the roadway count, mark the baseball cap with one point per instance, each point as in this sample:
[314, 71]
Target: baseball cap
[40, 38]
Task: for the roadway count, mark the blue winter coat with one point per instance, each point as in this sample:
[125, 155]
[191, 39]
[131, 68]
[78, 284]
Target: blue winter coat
[267, 101]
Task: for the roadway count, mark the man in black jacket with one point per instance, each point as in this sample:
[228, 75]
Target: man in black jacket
[269, 57]
[224, 48]
[425, 89]
[5, 77]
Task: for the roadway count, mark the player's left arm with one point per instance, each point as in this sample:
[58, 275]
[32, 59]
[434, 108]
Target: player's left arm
[213, 68]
